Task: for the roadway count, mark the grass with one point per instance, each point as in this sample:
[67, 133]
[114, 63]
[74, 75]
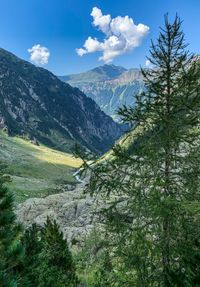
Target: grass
[36, 171]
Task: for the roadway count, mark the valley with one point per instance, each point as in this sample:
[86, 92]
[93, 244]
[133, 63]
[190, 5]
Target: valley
[100, 170]
[35, 171]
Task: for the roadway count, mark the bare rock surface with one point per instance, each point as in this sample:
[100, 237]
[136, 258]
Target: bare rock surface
[73, 211]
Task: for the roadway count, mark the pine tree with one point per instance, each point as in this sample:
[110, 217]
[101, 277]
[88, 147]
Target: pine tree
[48, 261]
[11, 250]
[56, 267]
[151, 181]
[33, 245]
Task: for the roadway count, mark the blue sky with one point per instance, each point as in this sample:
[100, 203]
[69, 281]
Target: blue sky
[64, 25]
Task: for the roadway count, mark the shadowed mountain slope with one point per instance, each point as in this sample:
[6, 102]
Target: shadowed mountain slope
[36, 104]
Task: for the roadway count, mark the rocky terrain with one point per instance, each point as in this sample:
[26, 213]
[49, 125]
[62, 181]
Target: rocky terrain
[34, 103]
[73, 211]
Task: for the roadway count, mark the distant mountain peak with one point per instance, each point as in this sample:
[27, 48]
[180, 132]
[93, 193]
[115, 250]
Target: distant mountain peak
[109, 70]
[101, 73]
[109, 86]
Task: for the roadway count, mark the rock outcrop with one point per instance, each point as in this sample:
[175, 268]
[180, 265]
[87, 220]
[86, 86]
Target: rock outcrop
[73, 211]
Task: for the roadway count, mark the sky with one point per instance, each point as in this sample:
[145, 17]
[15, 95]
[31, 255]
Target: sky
[72, 36]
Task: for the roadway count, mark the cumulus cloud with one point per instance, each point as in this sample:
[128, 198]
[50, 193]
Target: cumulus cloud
[121, 35]
[101, 21]
[39, 55]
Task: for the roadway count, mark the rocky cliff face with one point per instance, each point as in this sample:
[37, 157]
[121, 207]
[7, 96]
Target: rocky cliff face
[109, 86]
[35, 103]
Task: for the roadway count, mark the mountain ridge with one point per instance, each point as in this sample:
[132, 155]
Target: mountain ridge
[101, 73]
[110, 92]
[34, 102]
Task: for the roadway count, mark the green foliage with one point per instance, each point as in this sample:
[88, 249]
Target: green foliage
[97, 264]
[151, 187]
[11, 250]
[103, 275]
[93, 262]
[88, 257]
[57, 267]
[48, 260]
[33, 245]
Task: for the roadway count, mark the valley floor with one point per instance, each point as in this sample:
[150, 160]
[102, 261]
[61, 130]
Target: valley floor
[36, 171]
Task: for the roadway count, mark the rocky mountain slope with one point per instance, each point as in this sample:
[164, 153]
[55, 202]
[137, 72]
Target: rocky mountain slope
[109, 86]
[73, 211]
[36, 104]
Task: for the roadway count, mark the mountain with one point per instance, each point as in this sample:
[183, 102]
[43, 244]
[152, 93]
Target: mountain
[102, 73]
[109, 86]
[36, 104]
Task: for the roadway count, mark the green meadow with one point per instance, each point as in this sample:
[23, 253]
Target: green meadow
[36, 171]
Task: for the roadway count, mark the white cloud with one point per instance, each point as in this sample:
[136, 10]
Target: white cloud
[121, 36]
[39, 55]
[81, 52]
[148, 64]
[100, 20]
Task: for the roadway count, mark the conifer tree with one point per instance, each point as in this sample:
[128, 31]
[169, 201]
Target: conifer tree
[11, 250]
[33, 246]
[56, 267]
[151, 180]
[48, 261]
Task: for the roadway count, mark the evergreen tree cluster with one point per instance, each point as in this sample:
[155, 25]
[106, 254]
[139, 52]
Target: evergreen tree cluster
[11, 250]
[48, 260]
[36, 257]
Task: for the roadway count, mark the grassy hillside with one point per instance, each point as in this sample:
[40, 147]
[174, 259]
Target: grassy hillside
[36, 171]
